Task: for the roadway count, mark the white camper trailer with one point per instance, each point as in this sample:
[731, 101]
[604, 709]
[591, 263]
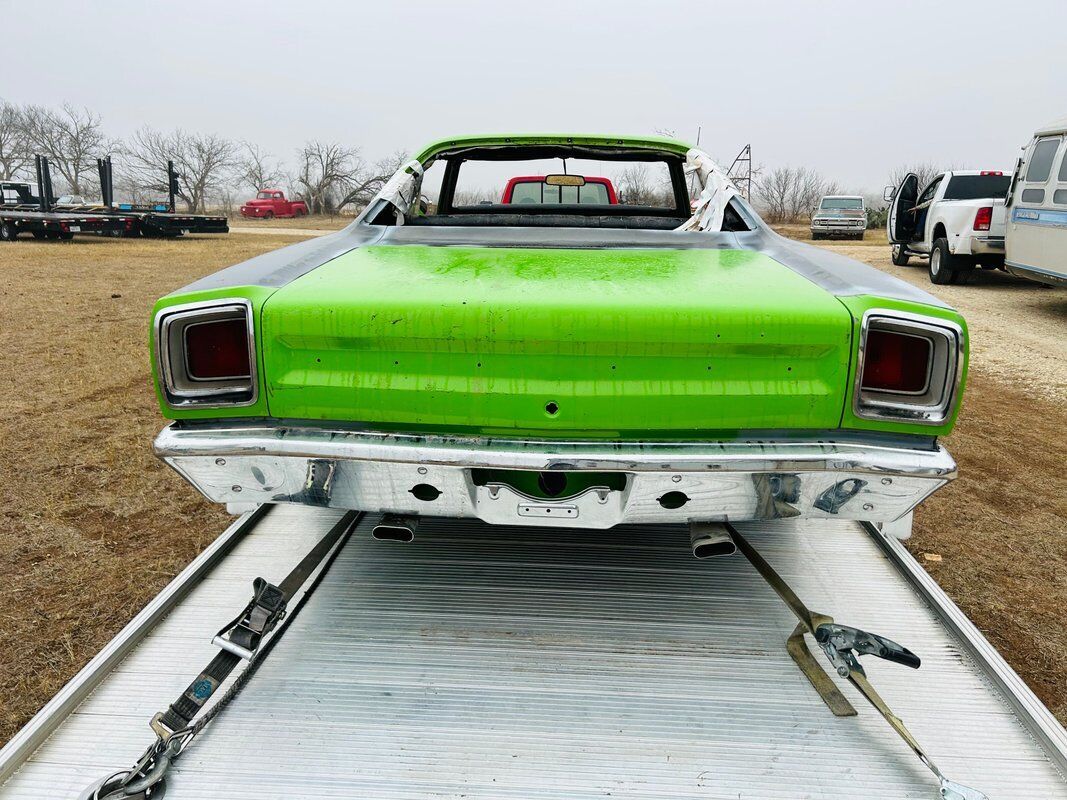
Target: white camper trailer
[1036, 235]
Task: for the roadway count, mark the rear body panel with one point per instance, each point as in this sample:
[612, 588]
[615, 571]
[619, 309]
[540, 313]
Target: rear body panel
[622, 342]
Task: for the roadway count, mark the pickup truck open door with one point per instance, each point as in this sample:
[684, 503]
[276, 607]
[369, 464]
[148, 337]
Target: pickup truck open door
[900, 224]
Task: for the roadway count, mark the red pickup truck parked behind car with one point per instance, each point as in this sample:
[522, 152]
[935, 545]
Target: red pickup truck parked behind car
[559, 189]
[271, 203]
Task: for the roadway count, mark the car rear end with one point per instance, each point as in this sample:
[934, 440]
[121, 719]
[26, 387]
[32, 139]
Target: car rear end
[590, 387]
[973, 207]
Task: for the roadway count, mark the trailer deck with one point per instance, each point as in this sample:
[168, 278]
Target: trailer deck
[495, 662]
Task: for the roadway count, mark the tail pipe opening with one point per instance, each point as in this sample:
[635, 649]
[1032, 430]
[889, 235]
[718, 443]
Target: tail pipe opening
[711, 540]
[395, 528]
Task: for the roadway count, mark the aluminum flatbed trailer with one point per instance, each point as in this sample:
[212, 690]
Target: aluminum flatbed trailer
[58, 224]
[494, 662]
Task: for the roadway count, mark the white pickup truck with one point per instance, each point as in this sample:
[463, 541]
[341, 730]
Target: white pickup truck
[956, 222]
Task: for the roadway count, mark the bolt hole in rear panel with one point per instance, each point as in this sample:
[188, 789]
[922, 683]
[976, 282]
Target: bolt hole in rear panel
[487, 662]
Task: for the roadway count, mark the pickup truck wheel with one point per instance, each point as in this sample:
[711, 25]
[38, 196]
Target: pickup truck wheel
[900, 255]
[7, 232]
[269, 215]
[859, 236]
[943, 265]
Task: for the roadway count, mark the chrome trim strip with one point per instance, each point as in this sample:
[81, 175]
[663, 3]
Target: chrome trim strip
[201, 398]
[927, 327]
[1042, 725]
[33, 733]
[263, 438]
[1036, 273]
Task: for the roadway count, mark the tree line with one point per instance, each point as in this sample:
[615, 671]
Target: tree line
[212, 169]
[219, 171]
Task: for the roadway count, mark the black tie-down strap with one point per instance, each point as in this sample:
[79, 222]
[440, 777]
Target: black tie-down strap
[239, 640]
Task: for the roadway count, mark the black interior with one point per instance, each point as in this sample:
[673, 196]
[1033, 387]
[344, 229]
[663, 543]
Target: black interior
[732, 220]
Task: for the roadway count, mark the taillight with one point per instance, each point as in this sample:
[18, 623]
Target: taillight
[984, 218]
[215, 350]
[896, 362]
[206, 354]
[909, 367]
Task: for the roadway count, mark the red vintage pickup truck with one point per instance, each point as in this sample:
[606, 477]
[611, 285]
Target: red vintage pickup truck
[271, 203]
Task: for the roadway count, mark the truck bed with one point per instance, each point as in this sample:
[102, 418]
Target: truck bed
[483, 662]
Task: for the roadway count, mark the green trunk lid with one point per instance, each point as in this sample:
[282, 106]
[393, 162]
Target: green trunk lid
[622, 343]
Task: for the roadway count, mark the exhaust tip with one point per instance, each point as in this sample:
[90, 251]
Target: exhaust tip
[395, 528]
[711, 540]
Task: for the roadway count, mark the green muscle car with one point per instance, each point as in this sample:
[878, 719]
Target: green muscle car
[561, 361]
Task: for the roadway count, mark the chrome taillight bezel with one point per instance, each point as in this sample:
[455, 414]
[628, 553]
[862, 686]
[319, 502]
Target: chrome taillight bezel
[179, 388]
[933, 406]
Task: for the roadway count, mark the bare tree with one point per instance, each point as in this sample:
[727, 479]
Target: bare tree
[926, 171]
[365, 181]
[71, 138]
[257, 169]
[203, 163]
[324, 170]
[14, 144]
[773, 191]
[635, 188]
[788, 194]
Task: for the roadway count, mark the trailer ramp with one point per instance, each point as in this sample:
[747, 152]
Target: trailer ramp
[491, 662]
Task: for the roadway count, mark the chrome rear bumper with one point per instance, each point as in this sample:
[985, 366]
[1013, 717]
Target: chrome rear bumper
[654, 482]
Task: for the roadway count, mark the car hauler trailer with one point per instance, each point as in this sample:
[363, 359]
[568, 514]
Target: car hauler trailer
[22, 212]
[155, 220]
[41, 225]
[502, 662]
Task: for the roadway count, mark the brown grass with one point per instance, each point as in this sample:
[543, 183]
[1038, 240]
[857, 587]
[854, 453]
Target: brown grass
[93, 525]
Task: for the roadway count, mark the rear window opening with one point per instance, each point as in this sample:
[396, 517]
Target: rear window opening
[977, 187]
[557, 186]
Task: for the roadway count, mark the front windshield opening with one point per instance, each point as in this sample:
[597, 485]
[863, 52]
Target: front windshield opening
[264, 196]
[842, 204]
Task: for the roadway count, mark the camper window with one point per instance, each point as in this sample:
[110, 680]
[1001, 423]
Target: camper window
[1060, 198]
[1041, 160]
[1033, 195]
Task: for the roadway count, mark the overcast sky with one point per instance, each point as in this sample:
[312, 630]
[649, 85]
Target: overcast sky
[852, 89]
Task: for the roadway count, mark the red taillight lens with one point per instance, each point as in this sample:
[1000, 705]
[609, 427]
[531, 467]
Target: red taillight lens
[896, 362]
[984, 218]
[216, 350]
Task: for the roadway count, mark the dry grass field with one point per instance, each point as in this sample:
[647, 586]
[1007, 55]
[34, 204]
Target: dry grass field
[93, 526]
[321, 222]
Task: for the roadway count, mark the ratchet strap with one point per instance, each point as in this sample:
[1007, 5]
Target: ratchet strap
[238, 641]
[842, 644]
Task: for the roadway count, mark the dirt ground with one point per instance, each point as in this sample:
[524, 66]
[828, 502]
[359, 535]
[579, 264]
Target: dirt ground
[86, 507]
[322, 222]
